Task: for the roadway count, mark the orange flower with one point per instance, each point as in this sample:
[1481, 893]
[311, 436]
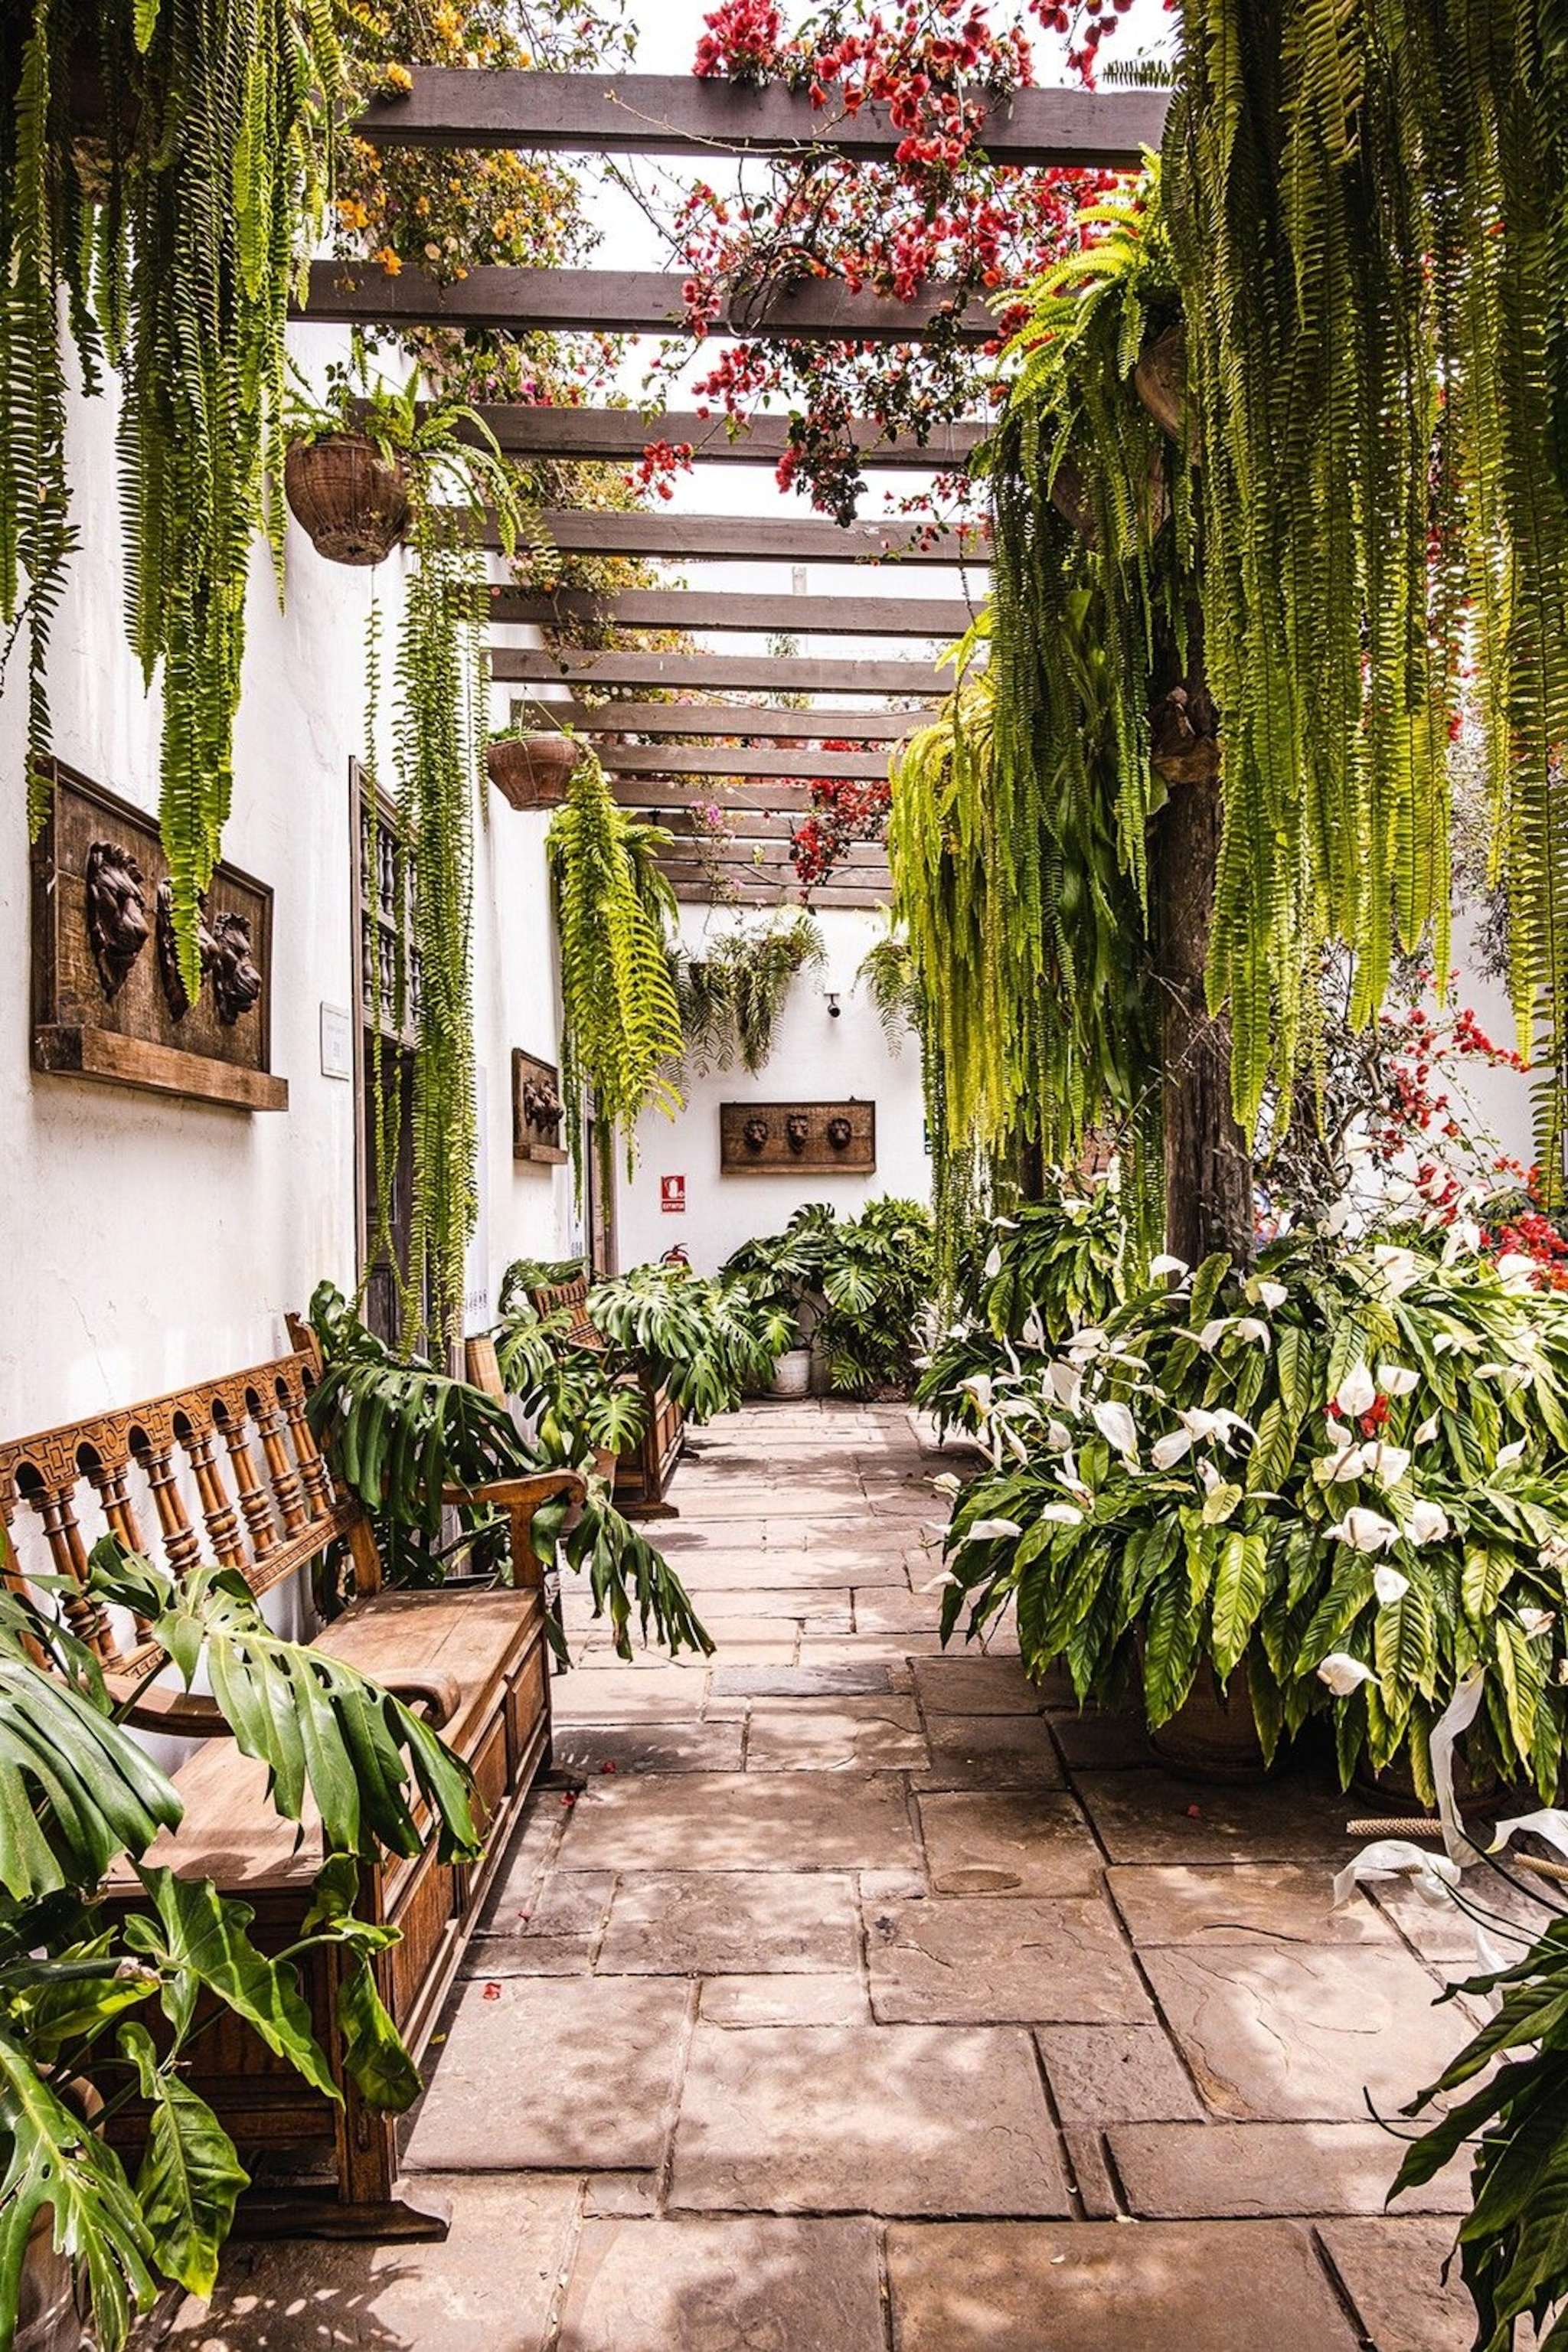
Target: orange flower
[388, 260]
[396, 81]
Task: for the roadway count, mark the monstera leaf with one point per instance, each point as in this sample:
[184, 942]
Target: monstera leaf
[74, 1789]
[190, 2178]
[318, 1725]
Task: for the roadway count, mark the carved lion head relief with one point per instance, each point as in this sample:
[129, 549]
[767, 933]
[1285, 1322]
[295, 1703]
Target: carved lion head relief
[117, 925]
[236, 982]
[798, 1130]
[175, 992]
[840, 1132]
[754, 1134]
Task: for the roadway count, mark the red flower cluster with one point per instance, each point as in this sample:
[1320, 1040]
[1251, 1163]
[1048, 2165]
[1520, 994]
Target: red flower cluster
[743, 41]
[1530, 1235]
[659, 464]
[844, 811]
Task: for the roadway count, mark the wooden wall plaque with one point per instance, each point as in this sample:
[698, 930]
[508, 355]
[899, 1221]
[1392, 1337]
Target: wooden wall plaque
[536, 1111]
[107, 1000]
[823, 1138]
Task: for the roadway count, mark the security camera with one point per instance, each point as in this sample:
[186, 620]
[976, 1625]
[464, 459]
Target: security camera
[835, 1009]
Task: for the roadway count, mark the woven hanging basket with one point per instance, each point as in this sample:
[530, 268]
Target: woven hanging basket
[351, 499]
[533, 771]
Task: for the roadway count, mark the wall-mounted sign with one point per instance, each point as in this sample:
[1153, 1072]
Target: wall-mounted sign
[108, 1000]
[337, 1043]
[770, 1139]
[672, 1195]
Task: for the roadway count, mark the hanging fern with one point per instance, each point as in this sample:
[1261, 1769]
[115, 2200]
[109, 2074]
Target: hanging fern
[1370, 220]
[620, 1017]
[731, 995]
[887, 973]
[173, 226]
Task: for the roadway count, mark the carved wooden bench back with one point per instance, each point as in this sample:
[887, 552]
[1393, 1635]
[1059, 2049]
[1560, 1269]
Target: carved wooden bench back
[226, 1470]
[573, 1297]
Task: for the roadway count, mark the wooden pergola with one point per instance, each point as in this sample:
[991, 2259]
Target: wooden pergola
[753, 761]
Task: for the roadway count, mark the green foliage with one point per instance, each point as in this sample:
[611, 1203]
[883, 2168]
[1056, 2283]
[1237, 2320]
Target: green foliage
[858, 1287]
[1352, 1455]
[707, 1342]
[1030, 1278]
[173, 232]
[731, 995]
[1514, 2244]
[1367, 213]
[887, 973]
[620, 1017]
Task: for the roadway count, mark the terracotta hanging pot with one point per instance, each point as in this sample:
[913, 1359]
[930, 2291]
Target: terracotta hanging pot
[533, 771]
[353, 501]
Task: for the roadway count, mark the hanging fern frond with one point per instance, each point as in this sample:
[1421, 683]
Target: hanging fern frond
[731, 995]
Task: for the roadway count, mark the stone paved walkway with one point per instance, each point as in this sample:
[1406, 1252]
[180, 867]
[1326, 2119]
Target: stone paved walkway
[868, 1999]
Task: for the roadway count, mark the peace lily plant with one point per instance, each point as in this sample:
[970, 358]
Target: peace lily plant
[1343, 1472]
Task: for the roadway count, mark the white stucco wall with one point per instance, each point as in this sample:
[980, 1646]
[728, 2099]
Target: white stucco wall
[814, 1059]
[149, 1241]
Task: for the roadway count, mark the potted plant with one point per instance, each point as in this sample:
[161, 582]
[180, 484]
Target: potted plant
[732, 995]
[362, 459]
[782, 1275]
[532, 769]
[1331, 1486]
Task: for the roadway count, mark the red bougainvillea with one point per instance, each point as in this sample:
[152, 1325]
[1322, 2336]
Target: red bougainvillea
[844, 810]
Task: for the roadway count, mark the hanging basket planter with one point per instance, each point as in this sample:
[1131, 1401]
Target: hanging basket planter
[533, 771]
[352, 500]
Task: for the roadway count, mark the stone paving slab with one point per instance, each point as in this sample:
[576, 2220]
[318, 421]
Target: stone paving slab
[723, 1923]
[1393, 2272]
[613, 1694]
[585, 1748]
[1095, 1742]
[491, 2284]
[1309, 2032]
[1265, 1903]
[977, 1960]
[848, 1680]
[1197, 2171]
[990, 1751]
[866, 1734]
[870, 2119]
[780, 2000]
[554, 2072]
[1095, 2287]
[725, 2286]
[1004, 1842]
[741, 1820]
[1116, 2075]
[1150, 1815]
[995, 1684]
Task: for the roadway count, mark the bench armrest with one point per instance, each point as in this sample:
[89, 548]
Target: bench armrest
[520, 1498]
[191, 1715]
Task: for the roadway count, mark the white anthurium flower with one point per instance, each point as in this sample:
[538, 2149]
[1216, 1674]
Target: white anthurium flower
[1396, 1379]
[1398, 1190]
[1014, 1444]
[1338, 1469]
[1366, 1530]
[1447, 1343]
[1343, 1674]
[1335, 1218]
[1062, 1515]
[1389, 1586]
[946, 1483]
[1085, 1343]
[1357, 1394]
[1337, 1432]
[1427, 1523]
[1554, 1552]
[1537, 1622]
[993, 1264]
[1399, 1267]
[1515, 1271]
[1229, 1424]
[1509, 1454]
[1034, 1331]
[991, 1531]
[1209, 1477]
[937, 1583]
[1003, 1224]
[1489, 1372]
[1426, 1432]
[1165, 1263]
[1388, 1464]
[979, 1386]
[1069, 1480]
[1200, 1425]
[1118, 1428]
[1058, 1437]
[1166, 1452]
[1256, 1332]
[1067, 1386]
[1269, 1294]
[1213, 1333]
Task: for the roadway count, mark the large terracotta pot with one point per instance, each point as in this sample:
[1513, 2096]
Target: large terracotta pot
[533, 771]
[1213, 1735]
[351, 499]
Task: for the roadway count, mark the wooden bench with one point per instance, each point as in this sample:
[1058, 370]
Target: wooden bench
[229, 1470]
[643, 1470]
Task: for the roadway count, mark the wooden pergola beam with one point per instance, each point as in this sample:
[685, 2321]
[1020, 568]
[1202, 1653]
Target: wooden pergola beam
[745, 722]
[671, 537]
[936, 619]
[711, 672]
[676, 114]
[620, 435]
[616, 302]
[756, 894]
[691, 759]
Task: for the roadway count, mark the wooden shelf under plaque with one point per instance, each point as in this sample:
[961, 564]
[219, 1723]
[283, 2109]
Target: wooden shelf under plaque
[108, 1004]
[831, 1138]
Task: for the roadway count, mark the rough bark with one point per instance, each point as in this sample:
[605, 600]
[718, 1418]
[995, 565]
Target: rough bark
[1208, 1170]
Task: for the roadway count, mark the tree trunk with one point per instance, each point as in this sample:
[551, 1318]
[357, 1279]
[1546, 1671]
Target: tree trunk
[1208, 1169]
